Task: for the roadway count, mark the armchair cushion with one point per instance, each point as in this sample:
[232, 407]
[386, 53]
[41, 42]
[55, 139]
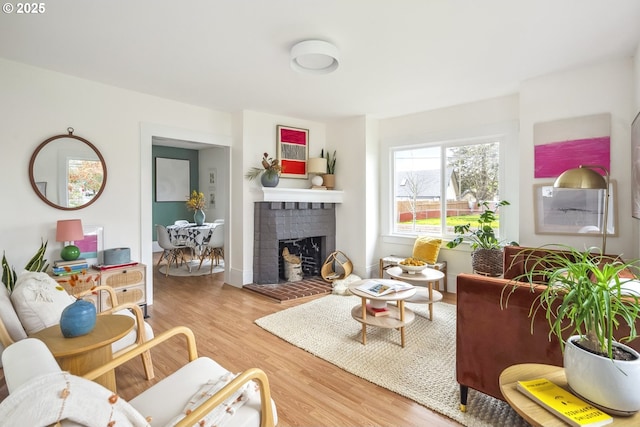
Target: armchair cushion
[38, 301]
[171, 395]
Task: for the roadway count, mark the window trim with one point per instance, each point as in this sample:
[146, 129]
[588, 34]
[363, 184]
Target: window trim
[506, 134]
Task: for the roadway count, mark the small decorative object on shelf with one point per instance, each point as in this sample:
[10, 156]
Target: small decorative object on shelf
[269, 173]
[329, 178]
[78, 318]
[197, 203]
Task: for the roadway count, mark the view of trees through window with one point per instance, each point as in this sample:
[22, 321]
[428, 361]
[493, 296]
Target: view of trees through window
[84, 179]
[445, 181]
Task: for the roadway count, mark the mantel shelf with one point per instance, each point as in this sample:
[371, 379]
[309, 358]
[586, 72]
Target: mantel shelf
[268, 194]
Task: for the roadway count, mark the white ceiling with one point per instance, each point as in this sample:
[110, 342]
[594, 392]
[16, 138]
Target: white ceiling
[397, 57]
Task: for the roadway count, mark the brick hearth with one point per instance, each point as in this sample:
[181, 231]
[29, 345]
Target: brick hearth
[291, 290]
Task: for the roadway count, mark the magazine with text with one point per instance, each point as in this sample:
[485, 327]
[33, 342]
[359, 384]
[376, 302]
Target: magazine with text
[379, 288]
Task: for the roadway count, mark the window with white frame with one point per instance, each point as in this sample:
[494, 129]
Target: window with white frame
[438, 186]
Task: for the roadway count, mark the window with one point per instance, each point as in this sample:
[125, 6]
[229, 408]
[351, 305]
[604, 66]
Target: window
[445, 180]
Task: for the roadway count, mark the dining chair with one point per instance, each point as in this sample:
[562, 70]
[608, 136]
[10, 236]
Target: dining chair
[214, 248]
[181, 222]
[172, 253]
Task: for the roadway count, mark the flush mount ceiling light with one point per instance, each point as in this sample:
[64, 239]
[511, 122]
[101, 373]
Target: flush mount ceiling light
[314, 57]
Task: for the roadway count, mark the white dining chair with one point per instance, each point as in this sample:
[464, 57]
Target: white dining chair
[181, 222]
[214, 248]
[172, 253]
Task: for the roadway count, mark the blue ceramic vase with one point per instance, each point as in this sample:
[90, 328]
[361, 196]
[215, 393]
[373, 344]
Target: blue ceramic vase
[199, 216]
[78, 318]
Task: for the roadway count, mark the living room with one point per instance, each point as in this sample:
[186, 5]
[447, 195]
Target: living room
[42, 98]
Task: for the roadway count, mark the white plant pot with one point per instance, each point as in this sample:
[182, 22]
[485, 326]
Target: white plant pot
[612, 386]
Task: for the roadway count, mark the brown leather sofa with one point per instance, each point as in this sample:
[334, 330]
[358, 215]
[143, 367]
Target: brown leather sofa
[491, 337]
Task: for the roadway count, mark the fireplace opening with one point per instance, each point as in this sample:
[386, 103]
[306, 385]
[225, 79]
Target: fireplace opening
[310, 252]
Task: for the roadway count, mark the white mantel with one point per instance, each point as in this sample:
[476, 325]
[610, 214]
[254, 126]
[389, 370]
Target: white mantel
[269, 194]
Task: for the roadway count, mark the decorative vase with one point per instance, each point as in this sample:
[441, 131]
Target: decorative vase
[199, 216]
[78, 318]
[269, 179]
[329, 181]
[609, 385]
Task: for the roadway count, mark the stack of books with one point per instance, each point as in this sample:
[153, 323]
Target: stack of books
[64, 268]
[377, 312]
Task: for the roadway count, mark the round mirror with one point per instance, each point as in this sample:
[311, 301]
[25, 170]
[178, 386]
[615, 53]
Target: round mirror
[67, 172]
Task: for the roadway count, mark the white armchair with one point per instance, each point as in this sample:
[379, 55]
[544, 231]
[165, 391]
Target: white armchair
[35, 394]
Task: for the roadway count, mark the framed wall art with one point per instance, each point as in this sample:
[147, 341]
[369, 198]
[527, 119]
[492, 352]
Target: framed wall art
[91, 247]
[293, 151]
[635, 167]
[573, 211]
[568, 143]
[172, 180]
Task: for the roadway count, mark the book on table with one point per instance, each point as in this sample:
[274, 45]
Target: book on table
[63, 263]
[379, 288]
[562, 403]
[70, 269]
[377, 311]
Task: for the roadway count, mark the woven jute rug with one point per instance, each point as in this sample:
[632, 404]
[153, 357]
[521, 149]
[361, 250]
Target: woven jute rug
[423, 371]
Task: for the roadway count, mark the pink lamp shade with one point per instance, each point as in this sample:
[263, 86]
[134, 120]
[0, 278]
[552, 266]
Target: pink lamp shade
[69, 230]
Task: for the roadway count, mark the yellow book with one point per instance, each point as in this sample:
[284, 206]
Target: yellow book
[563, 404]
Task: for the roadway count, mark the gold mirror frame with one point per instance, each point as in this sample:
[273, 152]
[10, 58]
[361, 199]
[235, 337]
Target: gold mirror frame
[38, 187]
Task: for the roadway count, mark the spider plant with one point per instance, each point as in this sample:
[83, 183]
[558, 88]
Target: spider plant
[585, 295]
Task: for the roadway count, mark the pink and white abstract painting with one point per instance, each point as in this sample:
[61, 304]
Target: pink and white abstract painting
[568, 143]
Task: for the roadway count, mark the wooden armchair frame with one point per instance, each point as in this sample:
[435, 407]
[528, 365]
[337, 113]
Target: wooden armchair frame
[266, 409]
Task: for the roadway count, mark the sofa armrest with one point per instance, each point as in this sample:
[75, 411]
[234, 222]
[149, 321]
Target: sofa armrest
[491, 336]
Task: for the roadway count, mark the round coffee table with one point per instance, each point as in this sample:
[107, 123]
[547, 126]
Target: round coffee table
[398, 316]
[82, 354]
[422, 296]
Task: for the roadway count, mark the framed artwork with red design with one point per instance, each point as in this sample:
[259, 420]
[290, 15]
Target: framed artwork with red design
[293, 151]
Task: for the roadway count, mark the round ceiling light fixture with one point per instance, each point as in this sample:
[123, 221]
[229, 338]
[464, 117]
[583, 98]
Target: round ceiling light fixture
[314, 57]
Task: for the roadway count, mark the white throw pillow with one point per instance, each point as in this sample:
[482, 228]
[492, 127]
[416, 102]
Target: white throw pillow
[39, 301]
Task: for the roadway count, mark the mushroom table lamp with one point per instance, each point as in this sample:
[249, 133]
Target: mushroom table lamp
[318, 166]
[585, 177]
[69, 230]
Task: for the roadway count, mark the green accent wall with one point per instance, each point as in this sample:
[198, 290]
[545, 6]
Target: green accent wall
[166, 213]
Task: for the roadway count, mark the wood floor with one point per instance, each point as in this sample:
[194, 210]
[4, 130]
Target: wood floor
[307, 390]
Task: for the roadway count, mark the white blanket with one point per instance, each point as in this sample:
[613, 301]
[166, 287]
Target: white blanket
[63, 398]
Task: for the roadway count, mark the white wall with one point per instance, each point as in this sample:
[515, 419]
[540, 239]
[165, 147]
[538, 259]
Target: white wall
[490, 117]
[601, 88]
[37, 104]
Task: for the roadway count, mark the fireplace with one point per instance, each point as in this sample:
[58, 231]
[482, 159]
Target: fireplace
[297, 225]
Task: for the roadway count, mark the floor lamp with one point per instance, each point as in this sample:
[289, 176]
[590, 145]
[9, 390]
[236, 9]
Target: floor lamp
[585, 177]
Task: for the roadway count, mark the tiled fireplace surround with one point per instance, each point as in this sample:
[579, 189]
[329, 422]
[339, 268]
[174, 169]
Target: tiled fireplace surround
[276, 221]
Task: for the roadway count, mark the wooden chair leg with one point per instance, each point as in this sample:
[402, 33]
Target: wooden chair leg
[148, 365]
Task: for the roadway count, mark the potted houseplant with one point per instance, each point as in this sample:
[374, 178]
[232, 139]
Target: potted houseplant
[329, 179]
[486, 255]
[588, 297]
[269, 173]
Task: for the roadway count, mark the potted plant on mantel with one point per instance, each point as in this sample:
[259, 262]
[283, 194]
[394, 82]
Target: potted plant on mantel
[486, 255]
[329, 179]
[269, 173]
[589, 295]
